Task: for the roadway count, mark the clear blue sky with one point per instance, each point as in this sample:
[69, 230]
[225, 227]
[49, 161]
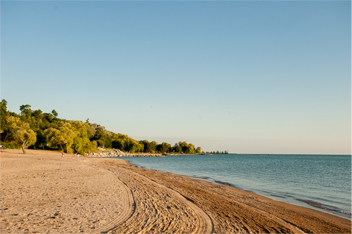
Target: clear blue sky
[248, 77]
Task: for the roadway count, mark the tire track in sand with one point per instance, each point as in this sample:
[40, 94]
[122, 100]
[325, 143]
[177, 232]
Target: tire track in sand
[158, 209]
[128, 209]
[228, 215]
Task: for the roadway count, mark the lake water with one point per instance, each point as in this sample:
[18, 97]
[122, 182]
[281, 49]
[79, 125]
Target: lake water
[321, 182]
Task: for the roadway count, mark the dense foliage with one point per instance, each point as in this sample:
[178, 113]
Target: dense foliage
[38, 130]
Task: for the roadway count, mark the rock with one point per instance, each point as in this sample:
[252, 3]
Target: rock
[118, 153]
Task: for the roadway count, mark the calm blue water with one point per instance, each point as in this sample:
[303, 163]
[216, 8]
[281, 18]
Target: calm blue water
[321, 182]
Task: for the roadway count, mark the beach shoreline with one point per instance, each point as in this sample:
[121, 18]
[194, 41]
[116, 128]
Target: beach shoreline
[44, 192]
[324, 187]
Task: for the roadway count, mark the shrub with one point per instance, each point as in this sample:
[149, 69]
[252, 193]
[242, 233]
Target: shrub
[9, 145]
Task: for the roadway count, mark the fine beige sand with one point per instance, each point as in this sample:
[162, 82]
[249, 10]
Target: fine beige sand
[43, 192]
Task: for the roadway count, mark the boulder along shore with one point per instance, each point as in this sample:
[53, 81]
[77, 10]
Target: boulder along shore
[41, 191]
[109, 153]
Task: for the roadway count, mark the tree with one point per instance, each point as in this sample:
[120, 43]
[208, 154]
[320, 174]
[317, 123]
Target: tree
[41, 139]
[199, 150]
[108, 142]
[153, 145]
[117, 144]
[177, 148]
[37, 113]
[191, 149]
[48, 117]
[26, 111]
[21, 132]
[102, 138]
[183, 147]
[132, 146]
[3, 113]
[99, 137]
[163, 147]
[187, 148]
[25, 137]
[147, 147]
[63, 137]
[71, 135]
[81, 142]
[119, 141]
[54, 113]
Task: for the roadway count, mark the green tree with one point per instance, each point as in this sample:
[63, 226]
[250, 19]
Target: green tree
[163, 147]
[153, 145]
[48, 117]
[102, 138]
[108, 142]
[199, 150]
[81, 142]
[62, 137]
[54, 113]
[183, 147]
[187, 148]
[3, 113]
[26, 111]
[191, 149]
[21, 132]
[41, 139]
[37, 114]
[25, 137]
[73, 135]
[118, 144]
[147, 146]
[118, 141]
[99, 137]
[133, 146]
[177, 148]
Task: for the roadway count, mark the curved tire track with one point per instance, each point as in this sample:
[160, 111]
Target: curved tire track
[155, 208]
[127, 212]
[167, 203]
[228, 215]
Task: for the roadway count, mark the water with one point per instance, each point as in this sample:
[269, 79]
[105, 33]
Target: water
[321, 182]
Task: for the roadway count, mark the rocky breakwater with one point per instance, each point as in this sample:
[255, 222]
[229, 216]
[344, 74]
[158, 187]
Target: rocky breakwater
[118, 153]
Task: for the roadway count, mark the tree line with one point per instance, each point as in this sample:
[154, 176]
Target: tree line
[38, 130]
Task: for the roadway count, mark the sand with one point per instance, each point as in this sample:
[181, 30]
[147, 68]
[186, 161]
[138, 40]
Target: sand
[43, 192]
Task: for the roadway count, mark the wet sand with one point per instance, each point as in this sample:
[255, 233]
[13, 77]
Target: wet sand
[42, 192]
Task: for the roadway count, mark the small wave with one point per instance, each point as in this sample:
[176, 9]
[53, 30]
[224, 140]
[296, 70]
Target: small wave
[277, 196]
[324, 207]
[225, 183]
[200, 177]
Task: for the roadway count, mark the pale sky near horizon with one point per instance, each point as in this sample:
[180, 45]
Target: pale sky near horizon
[247, 77]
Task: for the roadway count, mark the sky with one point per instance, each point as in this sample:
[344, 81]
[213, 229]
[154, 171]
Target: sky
[243, 76]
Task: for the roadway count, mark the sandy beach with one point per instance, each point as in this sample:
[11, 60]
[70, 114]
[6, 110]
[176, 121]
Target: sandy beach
[43, 192]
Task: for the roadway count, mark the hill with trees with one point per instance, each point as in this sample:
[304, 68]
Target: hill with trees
[38, 130]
